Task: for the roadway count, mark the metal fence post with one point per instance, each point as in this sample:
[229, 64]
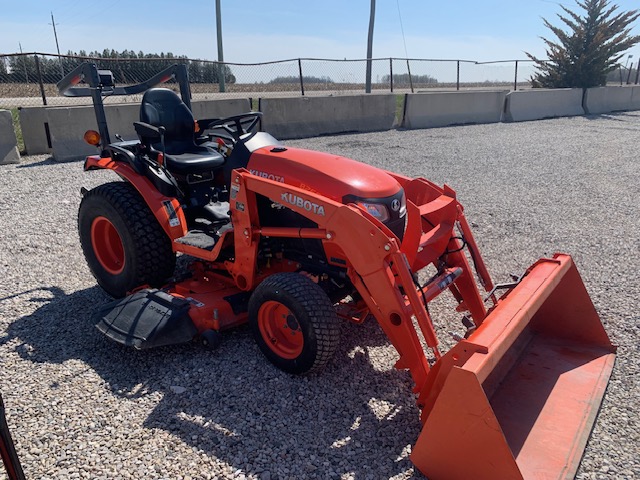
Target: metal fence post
[620, 75]
[410, 80]
[39, 73]
[301, 80]
[515, 79]
[222, 87]
[458, 75]
[391, 74]
[638, 72]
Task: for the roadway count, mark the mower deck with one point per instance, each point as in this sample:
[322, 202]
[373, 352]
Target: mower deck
[146, 319]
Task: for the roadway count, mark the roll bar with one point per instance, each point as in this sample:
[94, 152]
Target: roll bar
[100, 84]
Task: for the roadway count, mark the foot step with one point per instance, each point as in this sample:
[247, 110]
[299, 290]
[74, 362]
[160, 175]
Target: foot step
[199, 239]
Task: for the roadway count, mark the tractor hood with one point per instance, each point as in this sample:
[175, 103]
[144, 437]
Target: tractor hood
[330, 175]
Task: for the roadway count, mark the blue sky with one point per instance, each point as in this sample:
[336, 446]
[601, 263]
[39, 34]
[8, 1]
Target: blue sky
[260, 30]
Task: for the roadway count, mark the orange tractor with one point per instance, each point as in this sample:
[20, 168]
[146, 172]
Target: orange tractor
[293, 241]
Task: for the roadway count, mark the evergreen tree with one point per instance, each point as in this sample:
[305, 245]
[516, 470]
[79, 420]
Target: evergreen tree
[583, 56]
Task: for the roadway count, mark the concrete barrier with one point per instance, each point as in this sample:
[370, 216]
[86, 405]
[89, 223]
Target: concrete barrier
[607, 99]
[635, 97]
[299, 117]
[541, 103]
[426, 110]
[8, 142]
[68, 124]
[33, 122]
[219, 108]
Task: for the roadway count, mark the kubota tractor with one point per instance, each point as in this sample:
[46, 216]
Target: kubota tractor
[294, 241]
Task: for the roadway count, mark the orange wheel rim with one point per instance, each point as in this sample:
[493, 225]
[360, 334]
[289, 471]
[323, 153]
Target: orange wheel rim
[107, 245]
[280, 330]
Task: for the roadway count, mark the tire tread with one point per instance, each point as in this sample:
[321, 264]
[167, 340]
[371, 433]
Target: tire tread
[155, 259]
[316, 303]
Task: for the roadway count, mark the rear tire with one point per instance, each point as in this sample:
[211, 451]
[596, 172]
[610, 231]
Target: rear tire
[123, 243]
[294, 323]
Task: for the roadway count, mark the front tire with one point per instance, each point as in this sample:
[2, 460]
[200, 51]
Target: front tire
[123, 243]
[294, 323]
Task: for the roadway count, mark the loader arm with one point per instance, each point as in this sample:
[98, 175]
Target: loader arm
[516, 399]
[379, 267]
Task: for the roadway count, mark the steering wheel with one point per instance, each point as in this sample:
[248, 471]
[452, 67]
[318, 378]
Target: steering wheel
[236, 125]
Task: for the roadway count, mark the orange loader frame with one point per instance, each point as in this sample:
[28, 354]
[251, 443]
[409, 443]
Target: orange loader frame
[515, 399]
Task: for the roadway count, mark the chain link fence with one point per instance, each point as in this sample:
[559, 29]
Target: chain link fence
[30, 79]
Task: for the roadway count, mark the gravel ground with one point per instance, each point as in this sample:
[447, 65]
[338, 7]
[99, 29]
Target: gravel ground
[80, 406]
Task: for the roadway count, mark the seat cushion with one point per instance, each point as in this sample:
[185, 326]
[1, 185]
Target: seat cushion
[196, 160]
[161, 107]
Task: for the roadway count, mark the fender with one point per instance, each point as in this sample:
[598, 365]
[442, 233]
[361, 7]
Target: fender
[167, 210]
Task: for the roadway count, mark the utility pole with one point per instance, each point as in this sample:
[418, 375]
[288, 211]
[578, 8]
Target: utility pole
[24, 62]
[220, 53]
[55, 34]
[372, 17]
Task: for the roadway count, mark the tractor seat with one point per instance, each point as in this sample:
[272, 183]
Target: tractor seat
[195, 160]
[162, 107]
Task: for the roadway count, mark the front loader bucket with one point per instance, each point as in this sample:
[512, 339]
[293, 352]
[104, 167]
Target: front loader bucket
[519, 397]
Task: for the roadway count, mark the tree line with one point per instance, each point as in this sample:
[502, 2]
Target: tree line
[405, 79]
[305, 79]
[127, 66]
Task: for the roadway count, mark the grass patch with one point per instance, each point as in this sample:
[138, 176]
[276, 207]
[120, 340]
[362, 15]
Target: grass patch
[16, 127]
[399, 108]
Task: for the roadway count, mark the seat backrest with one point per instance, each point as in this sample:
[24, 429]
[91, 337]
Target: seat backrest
[162, 107]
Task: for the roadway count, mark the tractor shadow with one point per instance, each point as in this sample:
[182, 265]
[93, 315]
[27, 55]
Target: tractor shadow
[46, 161]
[355, 418]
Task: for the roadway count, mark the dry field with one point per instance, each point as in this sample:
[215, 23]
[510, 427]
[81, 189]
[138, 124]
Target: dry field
[14, 95]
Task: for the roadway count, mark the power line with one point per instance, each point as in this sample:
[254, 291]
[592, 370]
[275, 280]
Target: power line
[81, 14]
[70, 6]
[406, 54]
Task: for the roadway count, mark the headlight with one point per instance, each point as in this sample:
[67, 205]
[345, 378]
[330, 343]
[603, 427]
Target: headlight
[403, 206]
[376, 210]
